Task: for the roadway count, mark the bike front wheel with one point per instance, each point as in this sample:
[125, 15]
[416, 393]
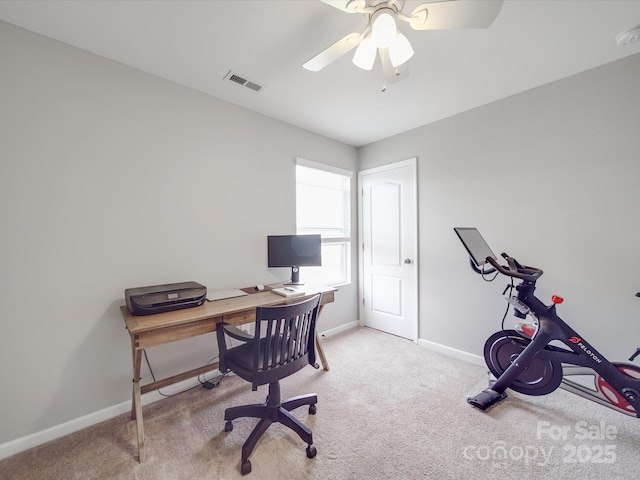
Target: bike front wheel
[612, 396]
[540, 378]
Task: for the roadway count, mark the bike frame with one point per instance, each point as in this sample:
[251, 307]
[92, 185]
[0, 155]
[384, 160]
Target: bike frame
[582, 354]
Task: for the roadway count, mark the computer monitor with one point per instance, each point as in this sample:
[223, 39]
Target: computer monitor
[294, 251]
[475, 245]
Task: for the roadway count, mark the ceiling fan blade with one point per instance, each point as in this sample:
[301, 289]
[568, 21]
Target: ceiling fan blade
[391, 74]
[349, 6]
[333, 52]
[454, 14]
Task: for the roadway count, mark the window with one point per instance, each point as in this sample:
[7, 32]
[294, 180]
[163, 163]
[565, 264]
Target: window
[323, 205]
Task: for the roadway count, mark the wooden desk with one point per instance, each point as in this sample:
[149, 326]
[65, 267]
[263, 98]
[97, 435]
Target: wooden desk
[149, 330]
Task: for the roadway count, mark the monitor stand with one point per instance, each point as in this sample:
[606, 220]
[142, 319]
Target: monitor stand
[295, 276]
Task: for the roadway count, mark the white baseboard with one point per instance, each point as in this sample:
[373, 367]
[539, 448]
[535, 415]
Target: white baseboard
[339, 329]
[436, 347]
[452, 352]
[38, 438]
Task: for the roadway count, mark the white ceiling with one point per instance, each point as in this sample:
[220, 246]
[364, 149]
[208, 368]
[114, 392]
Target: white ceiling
[196, 43]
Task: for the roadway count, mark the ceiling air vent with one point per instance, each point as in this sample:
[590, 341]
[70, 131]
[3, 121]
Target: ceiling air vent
[237, 79]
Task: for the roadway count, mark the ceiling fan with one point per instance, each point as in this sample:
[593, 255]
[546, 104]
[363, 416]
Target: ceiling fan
[383, 37]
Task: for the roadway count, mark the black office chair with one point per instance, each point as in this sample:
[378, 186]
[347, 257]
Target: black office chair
[284, 342]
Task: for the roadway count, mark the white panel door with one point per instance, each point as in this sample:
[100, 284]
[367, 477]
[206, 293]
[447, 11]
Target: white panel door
[388, 229]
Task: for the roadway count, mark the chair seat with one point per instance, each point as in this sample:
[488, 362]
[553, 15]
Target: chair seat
[243, 355]
[240, 360]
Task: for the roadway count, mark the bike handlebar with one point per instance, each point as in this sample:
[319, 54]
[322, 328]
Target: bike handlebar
[515, 269]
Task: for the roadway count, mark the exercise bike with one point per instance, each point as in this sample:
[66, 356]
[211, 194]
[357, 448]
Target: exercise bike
[524, 359]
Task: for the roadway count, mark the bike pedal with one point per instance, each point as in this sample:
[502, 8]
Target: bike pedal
[486, 398]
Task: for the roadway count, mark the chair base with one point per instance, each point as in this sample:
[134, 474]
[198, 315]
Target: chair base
[272, 411]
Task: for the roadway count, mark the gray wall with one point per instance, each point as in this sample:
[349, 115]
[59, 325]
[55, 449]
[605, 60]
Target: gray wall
[111, 178]
[550, 176]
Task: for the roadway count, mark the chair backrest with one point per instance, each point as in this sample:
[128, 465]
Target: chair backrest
[287, 340]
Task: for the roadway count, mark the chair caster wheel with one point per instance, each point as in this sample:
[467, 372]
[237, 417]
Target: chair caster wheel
[228, 427]
[246, 467]
[311, 451]
[312, 409]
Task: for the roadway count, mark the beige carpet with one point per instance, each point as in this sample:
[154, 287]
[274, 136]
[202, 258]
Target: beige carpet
[388, 409]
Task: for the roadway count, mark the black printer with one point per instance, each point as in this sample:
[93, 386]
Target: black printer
[164, 298]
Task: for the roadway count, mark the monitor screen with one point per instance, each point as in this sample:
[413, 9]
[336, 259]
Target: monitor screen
[475, 245]
[294, 250]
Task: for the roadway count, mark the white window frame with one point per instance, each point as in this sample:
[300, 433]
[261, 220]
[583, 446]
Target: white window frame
[344, 240]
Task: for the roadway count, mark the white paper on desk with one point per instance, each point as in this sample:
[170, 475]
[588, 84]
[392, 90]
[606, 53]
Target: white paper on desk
[222, 294]
[288, 292]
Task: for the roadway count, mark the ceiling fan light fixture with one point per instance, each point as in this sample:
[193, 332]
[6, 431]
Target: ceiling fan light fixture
[382, 37]
[400, 51]
[365, 55]
[383, 28]
[629, 36]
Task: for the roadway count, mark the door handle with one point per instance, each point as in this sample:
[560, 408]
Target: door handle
[407, 260]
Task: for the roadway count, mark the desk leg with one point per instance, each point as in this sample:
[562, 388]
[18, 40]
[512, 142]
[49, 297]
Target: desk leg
[138, 414]
[323, 358]
[136, 400]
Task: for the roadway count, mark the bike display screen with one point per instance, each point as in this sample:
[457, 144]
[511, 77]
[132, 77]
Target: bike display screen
[475, 245]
